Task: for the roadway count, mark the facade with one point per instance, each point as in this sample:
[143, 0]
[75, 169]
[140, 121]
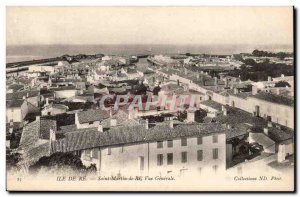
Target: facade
[162, 149]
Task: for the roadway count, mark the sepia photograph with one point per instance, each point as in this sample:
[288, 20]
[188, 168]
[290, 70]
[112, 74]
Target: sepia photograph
[156, 99]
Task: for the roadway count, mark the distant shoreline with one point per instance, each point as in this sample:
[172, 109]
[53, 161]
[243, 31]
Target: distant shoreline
[17, 53]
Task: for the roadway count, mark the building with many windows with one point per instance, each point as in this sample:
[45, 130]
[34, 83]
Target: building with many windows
[173, 149]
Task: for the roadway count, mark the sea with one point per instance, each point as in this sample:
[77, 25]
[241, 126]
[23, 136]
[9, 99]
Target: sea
[16, 53]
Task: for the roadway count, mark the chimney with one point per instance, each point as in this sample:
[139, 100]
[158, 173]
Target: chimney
[266, 131]
[52, 135]
[47, 101]
[171, 123]
[110, 113]
[37, 118]
[146, 124]
[281, 153]
[254, 90]
[198, 75]
[11, 123]
[226, 82]
[100, 128]
[27, 94]
[216, 81]
[282, 75]
[113, 122]
[185, 71]
[269, 78]
[11, 129]
[235, 90]
[223, 107]
[24, 97]
[224, 111]
[270, 124]
[229, 126]
[190, 116]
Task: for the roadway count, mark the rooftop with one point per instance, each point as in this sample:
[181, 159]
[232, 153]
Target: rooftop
[274, 98]
[90, 138]
[212, 104]
[20, 95]
[14, 103]
[93, 115]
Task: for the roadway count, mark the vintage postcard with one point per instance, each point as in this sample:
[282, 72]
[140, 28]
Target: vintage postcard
[150, 99]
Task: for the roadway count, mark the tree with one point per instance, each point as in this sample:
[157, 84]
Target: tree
[12, 159]
[61, 161]
[282, 84]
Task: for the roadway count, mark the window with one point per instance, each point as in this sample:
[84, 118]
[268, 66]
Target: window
[215, 139]
[200, 155]
[109, 151]
[88, 152]
[215, 153]
[170, 158]
[141, 163]
[91, 122]
[160, 159]
[121, 149]
[170, 143]
[159, 144]
[182, 172]
[183, 157]
[200, 170]
[215, 168]
[95, 153]
[199, 140]
[183, 141]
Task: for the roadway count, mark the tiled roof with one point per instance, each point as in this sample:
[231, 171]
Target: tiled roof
[280, 134]
[45, 126]
[90, 138]
[212, 104]
[35, 131]
[274, 98]
[236, 117]
[58, 106]
[14, 103]
[65, 88]
[92, 115]
[243, 95]
[262, 139]
[30, 135]
[20, 95]
[15, 87]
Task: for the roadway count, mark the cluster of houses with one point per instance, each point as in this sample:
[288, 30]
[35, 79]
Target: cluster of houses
[57, 108]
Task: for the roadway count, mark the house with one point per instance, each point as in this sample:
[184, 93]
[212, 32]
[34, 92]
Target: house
[17, 110]
[65, 92]
[41, 68]
[14, 88]
[276, 108]
[143, 149]
[32, 96]
[263, 140]
[54, 109]
[76, 99]
[35, 140]
[213, 108]
[91, 118]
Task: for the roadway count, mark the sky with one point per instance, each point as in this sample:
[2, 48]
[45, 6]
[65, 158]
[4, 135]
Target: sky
[149, 25]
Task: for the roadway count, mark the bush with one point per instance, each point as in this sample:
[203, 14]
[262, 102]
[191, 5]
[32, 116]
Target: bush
[60, 162]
